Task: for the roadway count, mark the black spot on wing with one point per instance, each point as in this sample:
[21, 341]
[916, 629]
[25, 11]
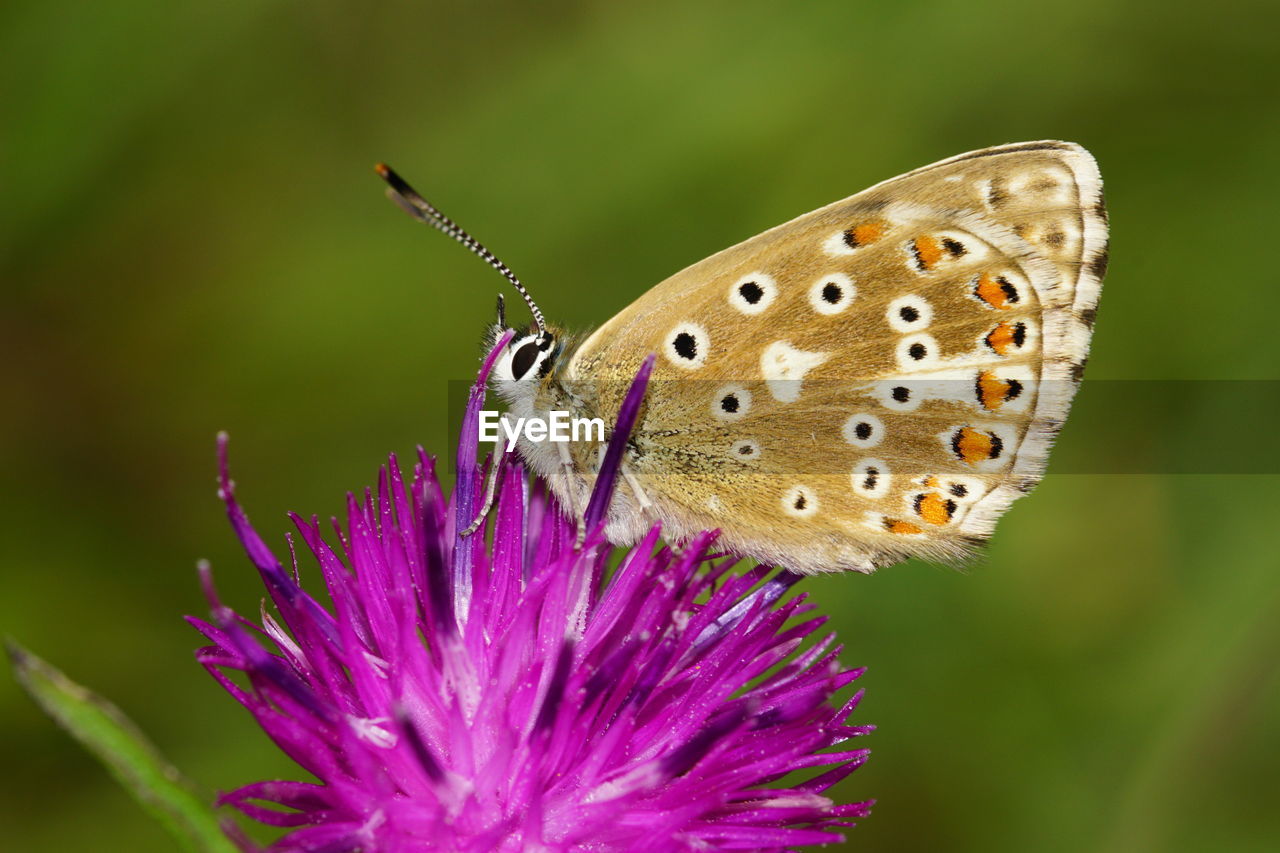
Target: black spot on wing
[996, 194]
[1101, 208]
[1098, 266]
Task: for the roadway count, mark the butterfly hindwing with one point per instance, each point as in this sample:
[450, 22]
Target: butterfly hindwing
[876, 379]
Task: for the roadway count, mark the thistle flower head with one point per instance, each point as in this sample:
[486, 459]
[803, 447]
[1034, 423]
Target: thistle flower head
[506, 691]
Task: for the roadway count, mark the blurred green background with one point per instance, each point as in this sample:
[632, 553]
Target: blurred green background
[192, 239]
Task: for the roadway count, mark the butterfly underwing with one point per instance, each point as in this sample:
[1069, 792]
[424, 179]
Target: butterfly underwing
[874, 380]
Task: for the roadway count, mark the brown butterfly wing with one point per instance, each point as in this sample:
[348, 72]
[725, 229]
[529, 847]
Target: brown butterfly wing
[876, 379]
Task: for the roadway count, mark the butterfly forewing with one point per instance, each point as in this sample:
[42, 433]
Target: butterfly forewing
[874, 380]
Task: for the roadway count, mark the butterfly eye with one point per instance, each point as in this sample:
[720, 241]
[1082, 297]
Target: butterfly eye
[524, 359]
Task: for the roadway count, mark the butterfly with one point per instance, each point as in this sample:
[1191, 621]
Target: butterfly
[875, 380]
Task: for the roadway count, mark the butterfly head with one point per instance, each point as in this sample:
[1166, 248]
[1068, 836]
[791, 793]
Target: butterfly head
[530, 355]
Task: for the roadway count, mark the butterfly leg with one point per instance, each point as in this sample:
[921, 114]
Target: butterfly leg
[647, 508]
[566, 463]
[490, 492]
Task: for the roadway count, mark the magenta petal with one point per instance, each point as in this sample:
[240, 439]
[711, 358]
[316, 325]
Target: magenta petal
[627, 415]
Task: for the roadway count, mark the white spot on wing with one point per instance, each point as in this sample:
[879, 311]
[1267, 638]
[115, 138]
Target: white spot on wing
[784, 366]
[900, 395]
[917, 352]
[844, 290]
[963, 490]
[983, 189]
[836, 245]
[701, 344]
[799, 501]
[741, 394]
[871, 478]
[872, 426]
[768, 291]
[909, 313]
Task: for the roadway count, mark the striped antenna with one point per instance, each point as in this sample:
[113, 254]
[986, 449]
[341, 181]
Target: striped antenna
[399, 191]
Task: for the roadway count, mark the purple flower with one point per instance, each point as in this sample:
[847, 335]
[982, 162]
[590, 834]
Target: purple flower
[507, 692]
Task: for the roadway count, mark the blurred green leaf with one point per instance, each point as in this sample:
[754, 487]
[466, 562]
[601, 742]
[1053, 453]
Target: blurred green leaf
[135, 762]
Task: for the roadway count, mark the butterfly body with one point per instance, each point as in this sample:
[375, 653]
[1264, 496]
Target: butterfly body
[874, 380]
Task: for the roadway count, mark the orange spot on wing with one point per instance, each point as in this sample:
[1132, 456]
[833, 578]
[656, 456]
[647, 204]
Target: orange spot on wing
[990, 290]
[904, 528]
[992, 390]
[861, 235]
[928, 252]
[934, 508]
[974, 446]
[1001, 338]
